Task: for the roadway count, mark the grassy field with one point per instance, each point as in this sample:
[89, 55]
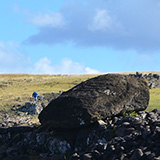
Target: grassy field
[154, 99]
[18, 88]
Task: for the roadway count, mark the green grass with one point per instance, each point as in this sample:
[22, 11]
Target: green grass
[154, 99]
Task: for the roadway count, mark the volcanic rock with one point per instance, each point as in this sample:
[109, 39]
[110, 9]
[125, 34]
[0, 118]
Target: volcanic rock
[99, 141]
[31, 108]
[96, 99]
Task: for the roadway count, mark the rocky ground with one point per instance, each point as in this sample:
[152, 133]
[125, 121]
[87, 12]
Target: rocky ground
[27, 114]
[123, 137]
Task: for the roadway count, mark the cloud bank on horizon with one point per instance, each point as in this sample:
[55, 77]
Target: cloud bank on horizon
[119, 24]
[66, 66]
[13, 60]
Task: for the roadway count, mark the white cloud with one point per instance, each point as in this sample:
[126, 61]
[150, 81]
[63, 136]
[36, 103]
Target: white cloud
[91, 71]
[53, 19]
[13, 60]
[101, 21]
[43, 66]
[66, 66]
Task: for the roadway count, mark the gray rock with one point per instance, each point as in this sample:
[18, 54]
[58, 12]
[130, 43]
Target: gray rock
[58, 146]
[40, 98]
[97, 98]
[96, 154]
[75, 156]
[126, 124]
[31, 108]
[97, 141]
[137, 154]
[87, 156]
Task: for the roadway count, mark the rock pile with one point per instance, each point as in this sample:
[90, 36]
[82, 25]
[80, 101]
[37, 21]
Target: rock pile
[153, 79]
[16, 121]
[31, 108]
[98, 98]
[28, 108]
[92, 121]
[22, 115]
[149, 76]
[126, 137]
[129, 137]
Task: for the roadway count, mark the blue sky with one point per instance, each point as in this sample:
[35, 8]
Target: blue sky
[79, 36]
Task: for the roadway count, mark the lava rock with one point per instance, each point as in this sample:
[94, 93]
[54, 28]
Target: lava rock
[31, 108]
[99, 141]
[98, 98]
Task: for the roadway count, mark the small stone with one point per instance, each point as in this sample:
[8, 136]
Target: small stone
[147, 153]
[157, 129]
[137, 154]
[157, 158]
[156, 111]
[128, 138]
[130, 130]
[87, 156]
[102, 124]
[112, 147]
[122, 156]
[95, 154]
[101, 147]
[75, 156]
[125, 124]
[137, 121]
[115, 119]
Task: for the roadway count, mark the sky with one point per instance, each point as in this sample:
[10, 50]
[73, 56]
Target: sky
[79, 36]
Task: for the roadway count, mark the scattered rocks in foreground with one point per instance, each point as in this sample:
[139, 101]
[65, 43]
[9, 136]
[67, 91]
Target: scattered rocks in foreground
[97, 98]
[29, 108]
[129, 137]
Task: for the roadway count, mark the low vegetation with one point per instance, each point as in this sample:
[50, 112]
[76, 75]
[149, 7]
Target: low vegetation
[18, 88]
[154, 99]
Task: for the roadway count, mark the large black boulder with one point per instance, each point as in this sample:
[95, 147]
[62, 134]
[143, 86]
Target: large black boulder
[97, 98]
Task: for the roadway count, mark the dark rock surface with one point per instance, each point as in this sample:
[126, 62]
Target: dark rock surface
[127, 137]
[98, 98]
